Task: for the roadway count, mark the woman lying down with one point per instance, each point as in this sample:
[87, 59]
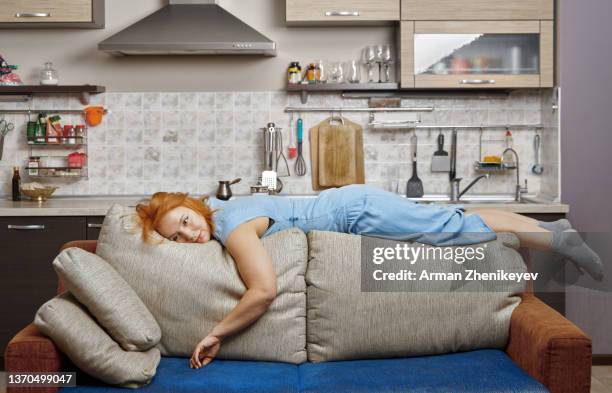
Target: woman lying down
[357, 209]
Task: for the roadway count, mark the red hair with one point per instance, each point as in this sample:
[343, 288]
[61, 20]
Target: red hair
[162, 202]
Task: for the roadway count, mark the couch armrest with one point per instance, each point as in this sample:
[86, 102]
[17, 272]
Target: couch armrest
[31, 351]
[549, 347]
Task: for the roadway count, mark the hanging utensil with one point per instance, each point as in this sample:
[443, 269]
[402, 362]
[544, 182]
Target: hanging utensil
[292, 151]
[300, 164]
[5, 127]
[414, 187]
[280, 153]
[537, 168]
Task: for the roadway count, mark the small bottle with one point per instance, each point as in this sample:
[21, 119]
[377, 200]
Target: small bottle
[41, 131]
[16, 184]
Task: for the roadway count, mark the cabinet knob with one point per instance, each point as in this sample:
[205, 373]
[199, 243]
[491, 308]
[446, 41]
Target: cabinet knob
[26, 227]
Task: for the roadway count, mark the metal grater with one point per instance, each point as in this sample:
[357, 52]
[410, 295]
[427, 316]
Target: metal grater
[268, 179]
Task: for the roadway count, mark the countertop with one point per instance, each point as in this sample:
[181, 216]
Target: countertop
[98, 206]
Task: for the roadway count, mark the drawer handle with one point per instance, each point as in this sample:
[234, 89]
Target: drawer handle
[33, 15]
[90, 225]
[342, 13]
[477, 81]
[26, 227]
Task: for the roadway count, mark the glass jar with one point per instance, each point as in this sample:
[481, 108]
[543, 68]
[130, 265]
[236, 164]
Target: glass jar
[33, 165]
[48, 75]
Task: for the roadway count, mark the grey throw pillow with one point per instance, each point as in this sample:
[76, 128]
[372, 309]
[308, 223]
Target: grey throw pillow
[344, 322]
[90, 348]
[109, 298]
[189, 288]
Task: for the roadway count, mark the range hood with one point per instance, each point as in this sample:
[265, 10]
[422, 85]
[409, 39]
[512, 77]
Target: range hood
[183, 27]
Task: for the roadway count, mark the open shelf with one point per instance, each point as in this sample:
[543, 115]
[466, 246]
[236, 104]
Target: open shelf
[305, 89]
[27, 90]
[63, 172]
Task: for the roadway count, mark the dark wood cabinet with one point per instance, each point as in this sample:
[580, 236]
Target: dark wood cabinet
[28, 246]
[94, 224]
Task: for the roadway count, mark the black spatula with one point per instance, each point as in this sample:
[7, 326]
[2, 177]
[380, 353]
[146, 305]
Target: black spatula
[414, 187]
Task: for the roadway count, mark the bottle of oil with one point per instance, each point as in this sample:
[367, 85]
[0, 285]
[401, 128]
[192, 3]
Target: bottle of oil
[16, 184]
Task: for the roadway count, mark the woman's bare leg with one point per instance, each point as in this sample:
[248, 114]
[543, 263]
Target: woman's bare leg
[530, 234]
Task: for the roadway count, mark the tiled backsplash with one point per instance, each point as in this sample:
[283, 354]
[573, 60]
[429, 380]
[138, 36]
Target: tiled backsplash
[187, 141]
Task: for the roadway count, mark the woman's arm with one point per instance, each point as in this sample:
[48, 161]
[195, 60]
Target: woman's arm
[256, 270]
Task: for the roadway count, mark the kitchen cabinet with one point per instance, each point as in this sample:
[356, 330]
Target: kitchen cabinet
[477, 9]
[28, 246]
[94, 225]
[50, 14]
[300, 12]
[476, 54]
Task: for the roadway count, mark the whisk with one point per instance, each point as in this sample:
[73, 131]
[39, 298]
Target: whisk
[300, 164]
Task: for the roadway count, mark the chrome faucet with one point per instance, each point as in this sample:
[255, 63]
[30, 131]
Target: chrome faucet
[455, 194]
[455, 182]
[518, 190]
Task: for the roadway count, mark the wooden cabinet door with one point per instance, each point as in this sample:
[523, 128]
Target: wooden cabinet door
[477, 9]
[28, 246]
[44, 11]
[341, 11]
[483, 54]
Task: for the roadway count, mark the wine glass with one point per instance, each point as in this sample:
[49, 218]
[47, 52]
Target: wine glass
[387, 60]
[379, 58]
[369, 58]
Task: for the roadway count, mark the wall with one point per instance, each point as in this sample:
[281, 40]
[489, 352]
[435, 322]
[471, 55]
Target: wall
[75, 54]
[585, 56]
[170, 124]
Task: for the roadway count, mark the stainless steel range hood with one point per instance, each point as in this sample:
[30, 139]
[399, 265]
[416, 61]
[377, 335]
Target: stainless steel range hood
[196, 27]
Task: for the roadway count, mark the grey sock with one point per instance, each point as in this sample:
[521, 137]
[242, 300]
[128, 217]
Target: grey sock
[569, 244]
[555, 226]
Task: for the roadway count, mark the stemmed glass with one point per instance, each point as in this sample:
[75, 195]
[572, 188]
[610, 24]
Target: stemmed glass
[379, 59]
[387, 59]
[369, 59]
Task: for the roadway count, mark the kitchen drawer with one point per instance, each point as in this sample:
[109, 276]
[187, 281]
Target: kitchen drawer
[477, 9]
[56, 13]
[341, 11]
[27, 278]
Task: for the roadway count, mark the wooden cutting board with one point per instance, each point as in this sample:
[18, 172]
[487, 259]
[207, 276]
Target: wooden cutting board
[336, 152]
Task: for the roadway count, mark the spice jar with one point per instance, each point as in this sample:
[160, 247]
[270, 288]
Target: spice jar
[312, 73]
[48, 75]
[33, 166]
[294, 73]
[69, 134]
[80, 132]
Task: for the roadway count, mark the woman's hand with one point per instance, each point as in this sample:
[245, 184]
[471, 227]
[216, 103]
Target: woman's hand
[205, 351]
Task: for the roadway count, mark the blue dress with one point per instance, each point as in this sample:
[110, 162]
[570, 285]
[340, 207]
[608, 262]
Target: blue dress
[356, 209]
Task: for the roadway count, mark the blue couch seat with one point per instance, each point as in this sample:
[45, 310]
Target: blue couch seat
[475, 371]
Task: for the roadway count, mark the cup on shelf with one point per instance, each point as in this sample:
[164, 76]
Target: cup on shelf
[336, 74]
[352, 71]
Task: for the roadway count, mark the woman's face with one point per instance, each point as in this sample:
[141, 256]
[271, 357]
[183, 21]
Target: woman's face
[184, 225]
